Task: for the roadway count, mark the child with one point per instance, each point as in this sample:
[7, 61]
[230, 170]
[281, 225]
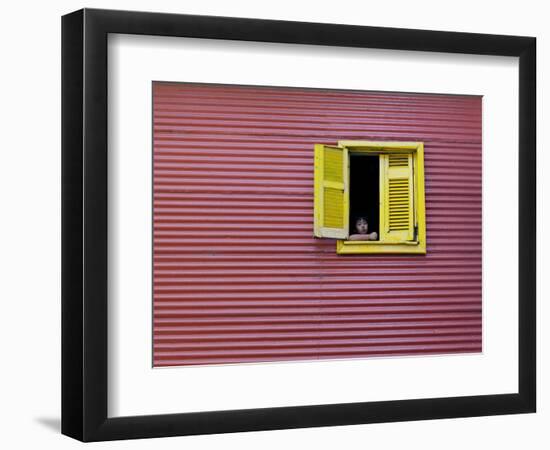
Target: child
[362, 228]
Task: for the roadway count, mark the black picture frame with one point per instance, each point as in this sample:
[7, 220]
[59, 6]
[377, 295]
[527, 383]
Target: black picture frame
[84, 224]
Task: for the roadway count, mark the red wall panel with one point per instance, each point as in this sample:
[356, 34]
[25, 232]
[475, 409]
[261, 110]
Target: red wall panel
[238, 276]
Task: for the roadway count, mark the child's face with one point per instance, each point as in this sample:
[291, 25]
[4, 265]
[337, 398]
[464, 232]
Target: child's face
[362, 226]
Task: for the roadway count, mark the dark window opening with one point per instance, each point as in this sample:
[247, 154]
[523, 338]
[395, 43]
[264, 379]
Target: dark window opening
[364, 194]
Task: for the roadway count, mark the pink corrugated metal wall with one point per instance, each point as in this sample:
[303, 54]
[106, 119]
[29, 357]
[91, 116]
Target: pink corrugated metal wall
[238, 276]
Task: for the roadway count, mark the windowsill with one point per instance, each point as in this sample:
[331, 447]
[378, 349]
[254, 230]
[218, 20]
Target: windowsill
[378, 247]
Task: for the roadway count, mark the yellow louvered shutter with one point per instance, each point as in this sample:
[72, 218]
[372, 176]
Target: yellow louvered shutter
[398, 195]
[331, 199]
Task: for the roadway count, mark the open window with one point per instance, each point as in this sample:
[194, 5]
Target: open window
[370, 196]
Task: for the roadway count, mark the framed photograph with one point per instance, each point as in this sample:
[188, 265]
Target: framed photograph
[272, 224]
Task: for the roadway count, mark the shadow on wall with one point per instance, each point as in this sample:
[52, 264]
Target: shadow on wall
[52, 423]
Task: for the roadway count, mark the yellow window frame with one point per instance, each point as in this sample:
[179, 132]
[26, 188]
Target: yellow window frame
[416, 246]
